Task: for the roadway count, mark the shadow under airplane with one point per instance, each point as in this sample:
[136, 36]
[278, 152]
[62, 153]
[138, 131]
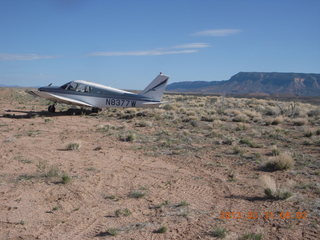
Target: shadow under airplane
[19, 114]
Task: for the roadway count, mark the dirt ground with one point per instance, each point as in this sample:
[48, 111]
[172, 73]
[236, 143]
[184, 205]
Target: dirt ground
[111, 176]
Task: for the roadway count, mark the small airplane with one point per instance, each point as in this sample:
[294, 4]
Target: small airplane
[98, 97]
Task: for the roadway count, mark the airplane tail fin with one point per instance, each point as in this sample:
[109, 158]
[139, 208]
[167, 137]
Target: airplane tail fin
[156, 88]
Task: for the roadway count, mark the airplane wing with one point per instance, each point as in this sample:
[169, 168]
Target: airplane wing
[57, 98]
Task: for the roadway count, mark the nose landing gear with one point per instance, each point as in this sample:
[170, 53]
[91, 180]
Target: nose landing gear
[52, 109]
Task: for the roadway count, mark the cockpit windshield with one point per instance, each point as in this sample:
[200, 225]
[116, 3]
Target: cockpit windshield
[78, 87]
[64, 86]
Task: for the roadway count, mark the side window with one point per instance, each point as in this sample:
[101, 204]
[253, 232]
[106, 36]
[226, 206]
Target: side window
[72, 86]
[88, 89]
[81, 88]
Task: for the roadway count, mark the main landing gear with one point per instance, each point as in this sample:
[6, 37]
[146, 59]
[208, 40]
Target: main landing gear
[52, 108]
[96, 110]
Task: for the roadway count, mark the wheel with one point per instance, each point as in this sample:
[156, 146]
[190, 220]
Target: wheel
[95, 110]
[51, 109]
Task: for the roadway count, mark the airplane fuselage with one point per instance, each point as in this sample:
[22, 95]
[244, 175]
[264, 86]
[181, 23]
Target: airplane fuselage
[98, 100]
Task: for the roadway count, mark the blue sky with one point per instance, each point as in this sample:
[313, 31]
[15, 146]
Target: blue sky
[125, 44]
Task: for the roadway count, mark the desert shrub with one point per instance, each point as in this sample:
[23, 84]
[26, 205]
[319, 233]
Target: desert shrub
[252, 114]
[232, 176]
[251, 236]
[270, 112]
[137, 194]
[218, 232]
[278, 195]
[242, 127]
[240, 118]
[314, 113]
[65, 179]
[73, 146]
[143, 124]
[207, 119]
[307, 143]
[50, 172]
[122, 212]
[277, 120]
[162, 229]
[238, 150]
[212, 100]
[248, 142]
[112, 231]
[168, 107]
[127, 114]
[227, 141]
[299, 122]
[194, 123]
[275, 151]
[308, 133]
[283, 161]
[245, 141]
[271, 190]
[130, 137]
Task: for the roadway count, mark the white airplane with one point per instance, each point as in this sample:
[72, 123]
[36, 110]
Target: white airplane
[98, 97]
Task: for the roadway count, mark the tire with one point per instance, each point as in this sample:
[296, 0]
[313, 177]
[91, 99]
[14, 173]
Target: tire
[51, 109]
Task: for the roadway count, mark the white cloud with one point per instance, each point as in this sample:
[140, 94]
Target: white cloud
[144, 53]
[193, 45]
[23, 57]
[179, 49]
[217, 32]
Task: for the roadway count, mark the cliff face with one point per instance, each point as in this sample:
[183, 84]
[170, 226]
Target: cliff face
[301, 84]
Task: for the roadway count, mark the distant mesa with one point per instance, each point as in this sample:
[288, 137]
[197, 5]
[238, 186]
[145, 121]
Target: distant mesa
[256, 84]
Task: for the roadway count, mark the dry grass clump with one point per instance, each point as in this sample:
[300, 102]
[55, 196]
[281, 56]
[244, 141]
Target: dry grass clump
[218, 232]
[143, 124]
[275, 151]
[271, 189]
[252, 114]
[282, 161]
[112, 231]
[240, 118]
[277, 120]
[51, 172]
[314, 113]
[307, 132]
[299, 122]
[162, 229]
[169, 107]
[217, 123]
[236, 115]
[242, 126]
[270, 111]
[231, 112]
[73, 146]
[251, 236]
[122, 212]
[137, 194]
[130, 137]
